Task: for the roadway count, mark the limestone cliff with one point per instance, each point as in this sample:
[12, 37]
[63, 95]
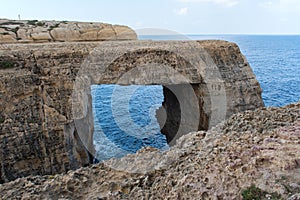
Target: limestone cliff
[28, 31]
[46, 122]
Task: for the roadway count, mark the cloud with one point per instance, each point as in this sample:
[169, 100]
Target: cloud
[282, 5]
[266, 4]
[289, 5]
[181, 11]
[227, 3]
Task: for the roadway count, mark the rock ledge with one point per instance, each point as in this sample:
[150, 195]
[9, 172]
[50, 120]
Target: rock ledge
[34, 31]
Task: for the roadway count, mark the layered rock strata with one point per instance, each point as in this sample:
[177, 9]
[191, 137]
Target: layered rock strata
[30, 31]
[46, 120]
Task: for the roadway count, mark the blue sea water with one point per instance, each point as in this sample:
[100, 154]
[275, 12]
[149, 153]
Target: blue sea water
[124, 116]
[275, 60]
[124, 119]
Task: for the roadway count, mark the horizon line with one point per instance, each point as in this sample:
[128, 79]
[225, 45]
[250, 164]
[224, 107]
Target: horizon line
[224, 34]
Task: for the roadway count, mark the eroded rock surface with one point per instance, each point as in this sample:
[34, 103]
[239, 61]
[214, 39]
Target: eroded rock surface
[46, 122]
[29, 31]
[218, 164]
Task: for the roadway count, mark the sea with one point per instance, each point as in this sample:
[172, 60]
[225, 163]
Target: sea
[124, 116]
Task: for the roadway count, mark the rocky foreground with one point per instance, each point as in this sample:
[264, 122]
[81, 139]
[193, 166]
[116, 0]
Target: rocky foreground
[256, 153]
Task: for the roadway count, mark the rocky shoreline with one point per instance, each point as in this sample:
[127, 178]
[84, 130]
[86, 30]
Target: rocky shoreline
[251, 151]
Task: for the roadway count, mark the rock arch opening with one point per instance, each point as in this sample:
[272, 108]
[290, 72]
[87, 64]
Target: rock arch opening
[184, 108]
[128, 118]
[125, 119]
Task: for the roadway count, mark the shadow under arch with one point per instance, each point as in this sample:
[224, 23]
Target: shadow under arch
[183, 107]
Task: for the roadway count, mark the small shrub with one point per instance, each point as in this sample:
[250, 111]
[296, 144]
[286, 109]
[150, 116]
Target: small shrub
[6, 64]
[56, 25]
[11, 23]
[40, 23]
[32, 22]
[255, 193]
[53, 27]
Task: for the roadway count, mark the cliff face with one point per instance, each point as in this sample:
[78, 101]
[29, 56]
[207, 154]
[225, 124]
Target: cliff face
[37, 128]
[29, 31]
[46, 120]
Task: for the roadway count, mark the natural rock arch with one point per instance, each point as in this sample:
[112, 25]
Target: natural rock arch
[175, 74]
[157, 58]
[187, 98]
[41, 132]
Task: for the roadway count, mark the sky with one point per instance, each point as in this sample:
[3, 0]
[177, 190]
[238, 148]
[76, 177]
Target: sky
[182, 16]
